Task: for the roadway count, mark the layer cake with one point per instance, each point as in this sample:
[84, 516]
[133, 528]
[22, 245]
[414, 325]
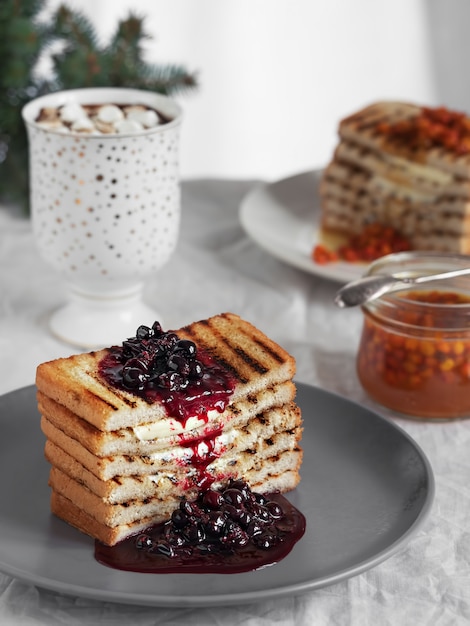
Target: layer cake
[405, 166]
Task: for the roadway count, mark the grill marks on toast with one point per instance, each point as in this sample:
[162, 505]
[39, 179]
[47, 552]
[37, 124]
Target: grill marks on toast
[132, 489]
[253, 360]
[237, 346]
[285, 420]
[124, 398]
[109, 484]
[277, 467]
[282, 475]
[268, 348]
[92, 372]
[124, 441]
[255, 365]
[211, 339]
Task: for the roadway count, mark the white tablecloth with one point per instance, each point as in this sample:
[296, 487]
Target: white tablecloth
[218, 268]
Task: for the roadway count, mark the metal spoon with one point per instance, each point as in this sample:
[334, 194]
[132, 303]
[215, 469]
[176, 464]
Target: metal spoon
[369, 288]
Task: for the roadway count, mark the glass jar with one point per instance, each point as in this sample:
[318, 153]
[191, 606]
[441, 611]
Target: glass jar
[414, 352]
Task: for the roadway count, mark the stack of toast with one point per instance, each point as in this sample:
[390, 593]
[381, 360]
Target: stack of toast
[120, 463]
[381, 173]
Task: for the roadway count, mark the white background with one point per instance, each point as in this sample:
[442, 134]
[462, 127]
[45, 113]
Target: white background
[277, 75]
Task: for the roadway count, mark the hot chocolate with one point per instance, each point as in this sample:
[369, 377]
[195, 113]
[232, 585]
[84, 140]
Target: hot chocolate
[100, 119]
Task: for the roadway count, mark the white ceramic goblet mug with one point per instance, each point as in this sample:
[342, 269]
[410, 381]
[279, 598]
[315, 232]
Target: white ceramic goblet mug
[105, 210]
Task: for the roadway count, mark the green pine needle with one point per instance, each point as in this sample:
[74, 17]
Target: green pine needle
[81, 62]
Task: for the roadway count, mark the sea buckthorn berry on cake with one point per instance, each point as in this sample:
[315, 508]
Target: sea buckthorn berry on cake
[134, 430]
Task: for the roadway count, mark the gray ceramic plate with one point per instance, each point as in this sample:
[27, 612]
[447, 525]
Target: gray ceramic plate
[366, 487]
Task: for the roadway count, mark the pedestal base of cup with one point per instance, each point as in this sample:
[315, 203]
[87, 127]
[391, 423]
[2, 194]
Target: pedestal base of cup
[93, 321]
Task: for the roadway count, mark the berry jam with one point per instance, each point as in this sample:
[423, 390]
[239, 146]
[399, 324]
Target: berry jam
[158, 366]
[229, 531]
[204, 450]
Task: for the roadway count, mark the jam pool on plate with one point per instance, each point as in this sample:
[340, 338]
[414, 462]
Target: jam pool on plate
[233, 530]
[230, 530]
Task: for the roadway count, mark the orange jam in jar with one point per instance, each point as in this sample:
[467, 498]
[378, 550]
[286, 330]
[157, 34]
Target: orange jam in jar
[414, 353]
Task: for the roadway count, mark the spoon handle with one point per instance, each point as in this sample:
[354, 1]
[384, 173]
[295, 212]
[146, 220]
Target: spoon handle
[441, 276]
[373, 286]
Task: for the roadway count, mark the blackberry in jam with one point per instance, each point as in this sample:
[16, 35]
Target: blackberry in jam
[220, 521]
[161, 367]
[229, 530]
[154, 358]
[211, 534]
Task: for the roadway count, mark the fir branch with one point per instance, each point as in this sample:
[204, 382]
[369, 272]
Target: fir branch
[80, 62]
[124, 53]
[10, 9]
[128, 37]
[75, 28]
[167, 79]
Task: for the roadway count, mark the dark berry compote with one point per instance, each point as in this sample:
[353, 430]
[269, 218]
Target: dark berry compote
[160, 367]
[227, 531]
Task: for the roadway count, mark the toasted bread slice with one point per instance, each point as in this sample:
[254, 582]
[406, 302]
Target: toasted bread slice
[177, 459]
[120, 463]
[277, 473]
[167, 483]
[254, 360]
[268, 433]
[69, 511]
[125, 442]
